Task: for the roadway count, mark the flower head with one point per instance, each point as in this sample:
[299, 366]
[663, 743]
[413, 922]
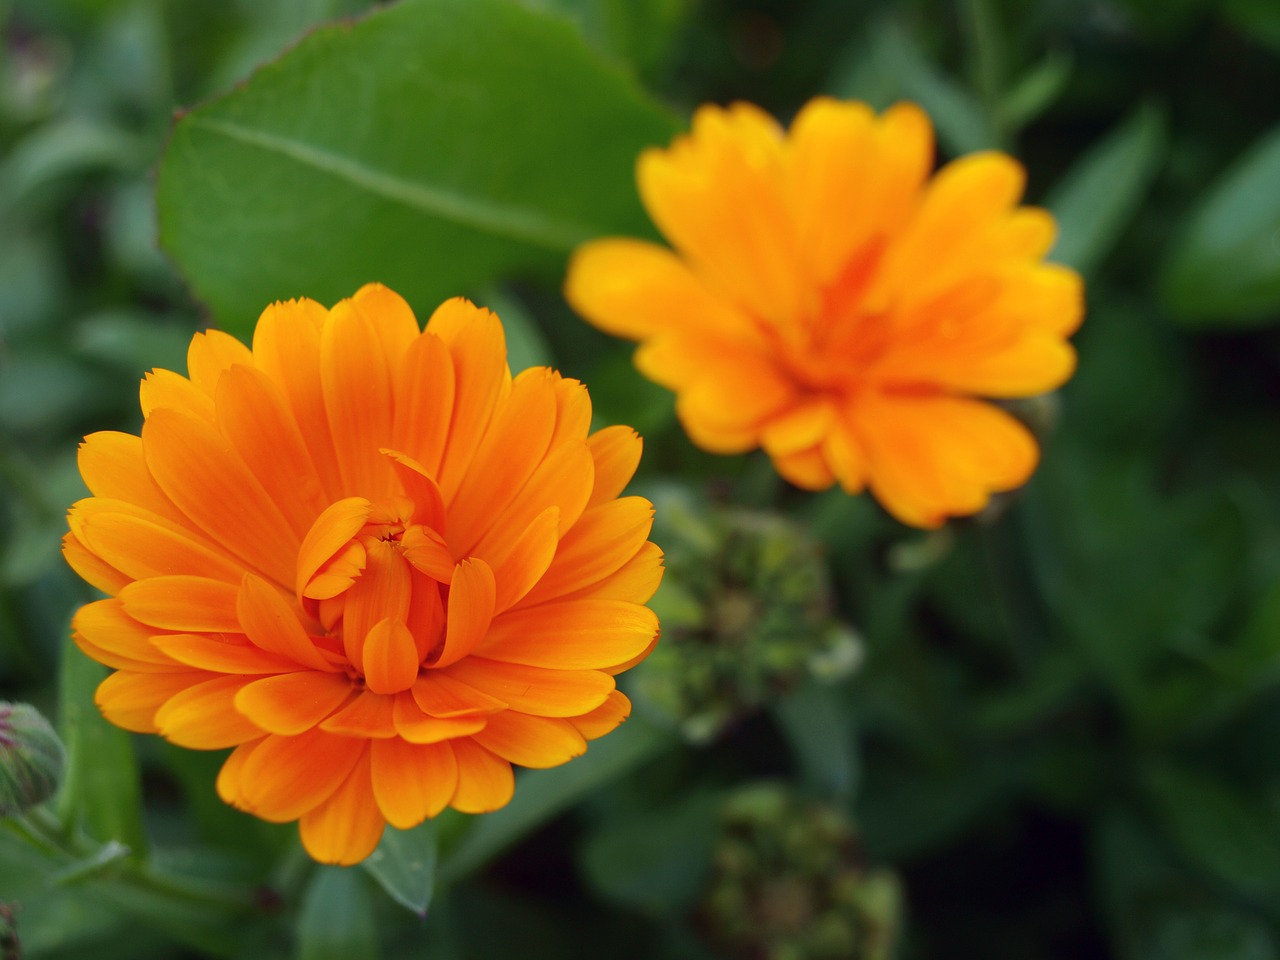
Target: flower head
[369, 559]
[830, 301]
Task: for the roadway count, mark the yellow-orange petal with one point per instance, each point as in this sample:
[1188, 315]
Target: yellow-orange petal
[636, 581]
[166, 390]
[615, 453]
[182, 604]
[218, 653]
[485, 781]
[530, 556]
[285, 776]
[329, 534]
[228, 780]
[90, 567]
[605, 718]
[290, 703]
[541, 691]
[390, 319]
[570, 635]
[416, 727]
[204, 716]
[113, 465]
[201, 473]
[141, 544]
[130, 700]
[106, 626]
[369, 715]
[602, 540]
[412, 781]
[536, 742]
[471, 600]
[390, 657]
[439, 693]
[424, 402]
[358, 401]
[211, 354]
[634, 289]
[346, 827]
[271, 624]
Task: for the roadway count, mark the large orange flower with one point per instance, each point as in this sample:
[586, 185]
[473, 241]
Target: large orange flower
[370, 560]
[829, 301]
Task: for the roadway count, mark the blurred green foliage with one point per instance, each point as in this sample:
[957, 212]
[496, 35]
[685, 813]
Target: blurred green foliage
[1064, 737]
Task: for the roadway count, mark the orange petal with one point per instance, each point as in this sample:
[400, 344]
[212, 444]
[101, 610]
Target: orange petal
[428, 552]
[228, 783]
[368, 715]
[390, 319]
[424, 402]
[286, 347]
[254, 415]
[573, 408]
[479, 350]
[140, 544]
[412, 781]
[636, 580]
[346, 827]
[211, 354]
[634, 289]
[166, 390]
[130, 700]
[106, 626]
[535, 690]
[419, 487]
[416, 727]
[113, 466]
[382, 592]
[605, 718]
[390, 657]
[471, 600]
[204, 717]
[570, 635]
[485, 781]
[90, 567]
[603, 540]
[284, 777]
[332, 531]
[537, 742]
[440, 694]
[219, 655]
[291, 703]
[806, 469]
[615, 451]
[269, 622]
[182, 604]
[357, 401]
[531, 554]
[205, 478]
[514, 444]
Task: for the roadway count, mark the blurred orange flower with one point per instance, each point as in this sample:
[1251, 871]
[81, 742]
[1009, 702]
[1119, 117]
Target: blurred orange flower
[370, 560]
[830, 301]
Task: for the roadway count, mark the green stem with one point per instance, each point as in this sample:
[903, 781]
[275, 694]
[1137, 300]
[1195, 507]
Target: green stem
[986, 72]
[41, 828]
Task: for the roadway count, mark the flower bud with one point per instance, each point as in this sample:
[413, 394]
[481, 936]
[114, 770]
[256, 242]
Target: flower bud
[32, 760]
[789, 882]
[746, 612]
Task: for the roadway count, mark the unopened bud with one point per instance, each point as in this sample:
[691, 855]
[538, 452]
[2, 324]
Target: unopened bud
[32, 760]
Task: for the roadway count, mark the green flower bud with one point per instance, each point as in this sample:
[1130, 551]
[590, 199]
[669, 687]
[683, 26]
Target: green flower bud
[32, 760]
[789, 880]
[746, 611]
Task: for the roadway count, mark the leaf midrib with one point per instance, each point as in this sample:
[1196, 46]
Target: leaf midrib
[510, 222]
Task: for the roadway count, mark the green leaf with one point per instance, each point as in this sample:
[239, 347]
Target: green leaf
[103, 789]
[433, 146]
[1227, 834]
[816, 723]
[1035, 91]
[542, 794]
[1096, 199]
[405, 865]
[657, 862]
[1225, 269]
[336, 922]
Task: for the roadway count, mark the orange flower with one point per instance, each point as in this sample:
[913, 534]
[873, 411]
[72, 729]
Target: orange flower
[370, 560]
[830, 302]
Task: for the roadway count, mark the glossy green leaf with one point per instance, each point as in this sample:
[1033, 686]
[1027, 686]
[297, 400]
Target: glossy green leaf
[1225, 268]
[336, 922]
[102, 789]
[405, 865]
[1099, 196]
[433, 146]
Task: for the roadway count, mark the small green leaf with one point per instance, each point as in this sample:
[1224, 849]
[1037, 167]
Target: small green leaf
[1035, 91]
[336, 922]
[405, 865]
[1096, 199]
[816, 724]
[102, 789]
[1225, 269]
[433, 146]
[106, 856]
